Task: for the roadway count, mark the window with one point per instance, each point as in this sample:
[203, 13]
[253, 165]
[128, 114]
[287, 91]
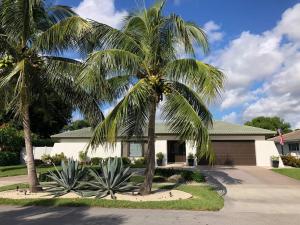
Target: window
[294, 147]
[135, 149]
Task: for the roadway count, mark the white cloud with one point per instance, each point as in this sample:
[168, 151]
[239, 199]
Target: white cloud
[213, 31]
[269, 62]
[231, 117]
[103, 11]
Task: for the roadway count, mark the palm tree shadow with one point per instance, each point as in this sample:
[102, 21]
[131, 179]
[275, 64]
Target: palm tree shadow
[34, 215]
[217, 179]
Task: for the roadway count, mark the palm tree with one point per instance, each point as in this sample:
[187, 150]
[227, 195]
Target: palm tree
[31, 36]
[145, 51]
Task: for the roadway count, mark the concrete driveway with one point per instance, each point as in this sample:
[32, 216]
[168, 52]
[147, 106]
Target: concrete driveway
[255, 189]
[4, 181]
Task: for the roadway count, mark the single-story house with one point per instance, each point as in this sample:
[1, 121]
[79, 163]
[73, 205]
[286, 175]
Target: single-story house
[233, 144]
[291, 143]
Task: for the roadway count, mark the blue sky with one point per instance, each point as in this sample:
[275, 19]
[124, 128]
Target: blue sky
[255, 42]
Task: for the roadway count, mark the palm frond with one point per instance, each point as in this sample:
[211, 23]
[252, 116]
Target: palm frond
[184, 120]
[186, 33]
[62, 35]
[204, 78]
[123, 118]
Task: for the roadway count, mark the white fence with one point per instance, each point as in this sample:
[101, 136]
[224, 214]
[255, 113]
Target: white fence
[37, 152]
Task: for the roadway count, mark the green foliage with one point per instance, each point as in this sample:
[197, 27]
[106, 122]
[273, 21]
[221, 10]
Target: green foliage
[139, 163]
[204, 198]
[191, 156]
[126, 161]
[75, 125]
[274, 158]
[187, 175]
[56, 159]
[95, 161]
[160, 156]
[41, 142]
[270, 123]
[66, 180]
[114, 179]
[289, 160]
[10, 138]
[9, 158]
[144, 46]
[83, 156]
[290, 172]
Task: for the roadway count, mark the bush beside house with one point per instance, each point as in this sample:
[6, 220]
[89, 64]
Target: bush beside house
[289, 160]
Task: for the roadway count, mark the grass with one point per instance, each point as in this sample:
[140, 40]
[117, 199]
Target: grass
[8, 171]
[14, 187]
[204, 198]
[290, 172]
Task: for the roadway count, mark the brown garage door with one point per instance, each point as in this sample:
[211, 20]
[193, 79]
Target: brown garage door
[234, 153]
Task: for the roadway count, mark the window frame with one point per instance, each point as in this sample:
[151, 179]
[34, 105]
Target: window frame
[292, 149]
[129, 148]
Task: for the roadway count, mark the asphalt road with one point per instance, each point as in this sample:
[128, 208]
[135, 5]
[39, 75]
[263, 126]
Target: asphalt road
[11, 215]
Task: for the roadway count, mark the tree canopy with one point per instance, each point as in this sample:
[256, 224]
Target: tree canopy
[270, 123]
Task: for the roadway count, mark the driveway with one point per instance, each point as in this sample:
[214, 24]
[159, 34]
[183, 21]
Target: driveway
[255, 189]
[4, 181]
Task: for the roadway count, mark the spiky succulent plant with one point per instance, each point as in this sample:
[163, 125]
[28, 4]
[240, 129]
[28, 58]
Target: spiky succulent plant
[113, 178]
[66, 180]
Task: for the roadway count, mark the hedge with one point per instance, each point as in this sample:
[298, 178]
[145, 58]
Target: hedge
[289, 160]
[9, 158]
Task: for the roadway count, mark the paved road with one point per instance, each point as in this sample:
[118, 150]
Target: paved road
[13, 180]
[253, 196]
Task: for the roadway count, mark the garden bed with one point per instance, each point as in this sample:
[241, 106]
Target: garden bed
[203, 198]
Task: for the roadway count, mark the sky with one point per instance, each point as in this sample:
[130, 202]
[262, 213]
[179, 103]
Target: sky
[256, 43]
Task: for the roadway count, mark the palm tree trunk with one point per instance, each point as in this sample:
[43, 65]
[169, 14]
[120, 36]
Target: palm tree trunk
[32, 176]
[150, 153]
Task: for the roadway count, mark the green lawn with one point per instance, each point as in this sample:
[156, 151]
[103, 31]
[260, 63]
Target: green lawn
[204, 198]
[7, 171]
[290, 172]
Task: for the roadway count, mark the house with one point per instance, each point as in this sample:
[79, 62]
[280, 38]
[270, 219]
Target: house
[233, 144]
[291, 143]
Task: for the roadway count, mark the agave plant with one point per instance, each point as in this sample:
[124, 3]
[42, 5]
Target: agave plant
[113, 178]
[67, 180]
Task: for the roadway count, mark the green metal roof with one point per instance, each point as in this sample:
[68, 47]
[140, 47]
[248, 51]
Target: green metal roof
[219, 128]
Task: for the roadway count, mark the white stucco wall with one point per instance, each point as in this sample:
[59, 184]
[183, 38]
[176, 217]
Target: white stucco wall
[161, 146]
[72, 150]
[190, 149]
[264, 150]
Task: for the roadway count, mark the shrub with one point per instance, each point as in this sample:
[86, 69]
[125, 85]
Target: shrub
[160, 156]
[114, 178]
[139, 163]
[191, 156]
[56, 159]
[10, 138]
[126, 161]
[96, 160]
[187, 175]
[9, 158]
[46, 159]
[289, 160]
[83, 156]
[66, 180]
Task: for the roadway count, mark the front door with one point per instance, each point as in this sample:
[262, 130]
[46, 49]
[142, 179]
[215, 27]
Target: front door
[176, 151]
